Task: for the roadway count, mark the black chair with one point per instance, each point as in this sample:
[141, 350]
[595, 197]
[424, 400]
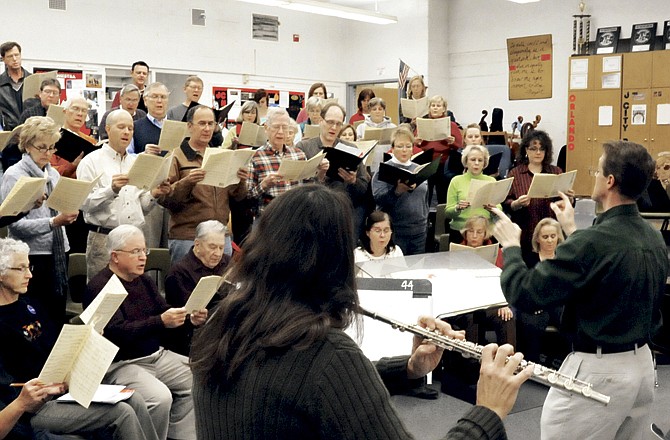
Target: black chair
[493, 166]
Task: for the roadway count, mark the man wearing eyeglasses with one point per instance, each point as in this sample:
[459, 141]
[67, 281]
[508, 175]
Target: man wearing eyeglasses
[49, 94]
[129, 101]
[264, 182]
[354, 183]
[139, 328]
[145, 139]
[148, 130]
[112, 201]
[190, 204]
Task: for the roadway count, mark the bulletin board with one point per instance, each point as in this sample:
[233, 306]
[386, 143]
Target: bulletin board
[530, 67]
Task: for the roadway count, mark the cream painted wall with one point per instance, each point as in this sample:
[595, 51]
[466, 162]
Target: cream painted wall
[115, 33]
[477, 33]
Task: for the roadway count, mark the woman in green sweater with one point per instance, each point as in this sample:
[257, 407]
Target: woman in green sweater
[475, 159]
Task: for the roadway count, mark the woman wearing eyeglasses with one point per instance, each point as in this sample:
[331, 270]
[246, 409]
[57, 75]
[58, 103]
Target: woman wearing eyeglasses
[377, 242]
[535, 156]
[42, 228]
[406, 204]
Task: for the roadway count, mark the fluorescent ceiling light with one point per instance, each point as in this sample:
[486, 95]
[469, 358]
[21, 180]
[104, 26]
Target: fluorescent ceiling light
[329, 9]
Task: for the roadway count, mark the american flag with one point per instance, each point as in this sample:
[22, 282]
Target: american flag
[403, 71]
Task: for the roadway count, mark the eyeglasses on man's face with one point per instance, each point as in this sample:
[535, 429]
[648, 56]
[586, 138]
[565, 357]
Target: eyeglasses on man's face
[23, 269]
[135, 252]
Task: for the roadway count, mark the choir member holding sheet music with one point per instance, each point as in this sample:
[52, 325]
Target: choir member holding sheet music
[474, 158]
[248, 113]
[112, 201]
[49, 95]
[139, 328]
[264, 183]
[42, 228]
[437, 109]
[364, 98]
[191, 202]
[354, 183]
[66, 162]
[28, 336]
[476, 234]
[313, 106]
[205, 258]
[76, 110]
[406, 204]
[146, 137]
[274, 360]
[534, 156]
[317, 89]
[376, 119]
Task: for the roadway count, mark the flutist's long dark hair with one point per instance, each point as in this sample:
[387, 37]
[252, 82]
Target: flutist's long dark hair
[293, 282]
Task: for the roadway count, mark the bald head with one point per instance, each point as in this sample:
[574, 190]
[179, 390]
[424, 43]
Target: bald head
[120, 129]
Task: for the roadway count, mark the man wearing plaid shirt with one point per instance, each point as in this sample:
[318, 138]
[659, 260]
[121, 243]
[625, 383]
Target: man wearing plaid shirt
[264, 183]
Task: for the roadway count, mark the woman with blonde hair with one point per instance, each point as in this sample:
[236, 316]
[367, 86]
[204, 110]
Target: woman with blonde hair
[42, 229]
[474, 159]
[437, 109]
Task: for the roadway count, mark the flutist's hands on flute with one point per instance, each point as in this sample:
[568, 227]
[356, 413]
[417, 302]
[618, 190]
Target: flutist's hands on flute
[426, 356]
[498, 386]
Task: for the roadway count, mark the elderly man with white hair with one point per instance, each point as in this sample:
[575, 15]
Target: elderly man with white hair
[205, 258]
[112, 201]
[139, 327]
[264, 183]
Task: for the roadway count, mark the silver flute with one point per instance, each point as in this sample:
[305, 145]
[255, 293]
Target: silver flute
[541, 374]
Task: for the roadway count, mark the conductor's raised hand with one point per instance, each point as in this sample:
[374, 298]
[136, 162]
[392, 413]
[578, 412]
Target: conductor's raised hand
[507, 233]
[565, 213]
[498, 385]
[426, 356]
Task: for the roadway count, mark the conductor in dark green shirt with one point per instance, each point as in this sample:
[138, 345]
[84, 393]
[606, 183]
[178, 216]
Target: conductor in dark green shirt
[610, 277]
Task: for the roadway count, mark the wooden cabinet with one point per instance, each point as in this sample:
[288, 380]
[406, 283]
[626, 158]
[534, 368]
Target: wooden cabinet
[625, 96]
[646, 85]
[594, 115]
